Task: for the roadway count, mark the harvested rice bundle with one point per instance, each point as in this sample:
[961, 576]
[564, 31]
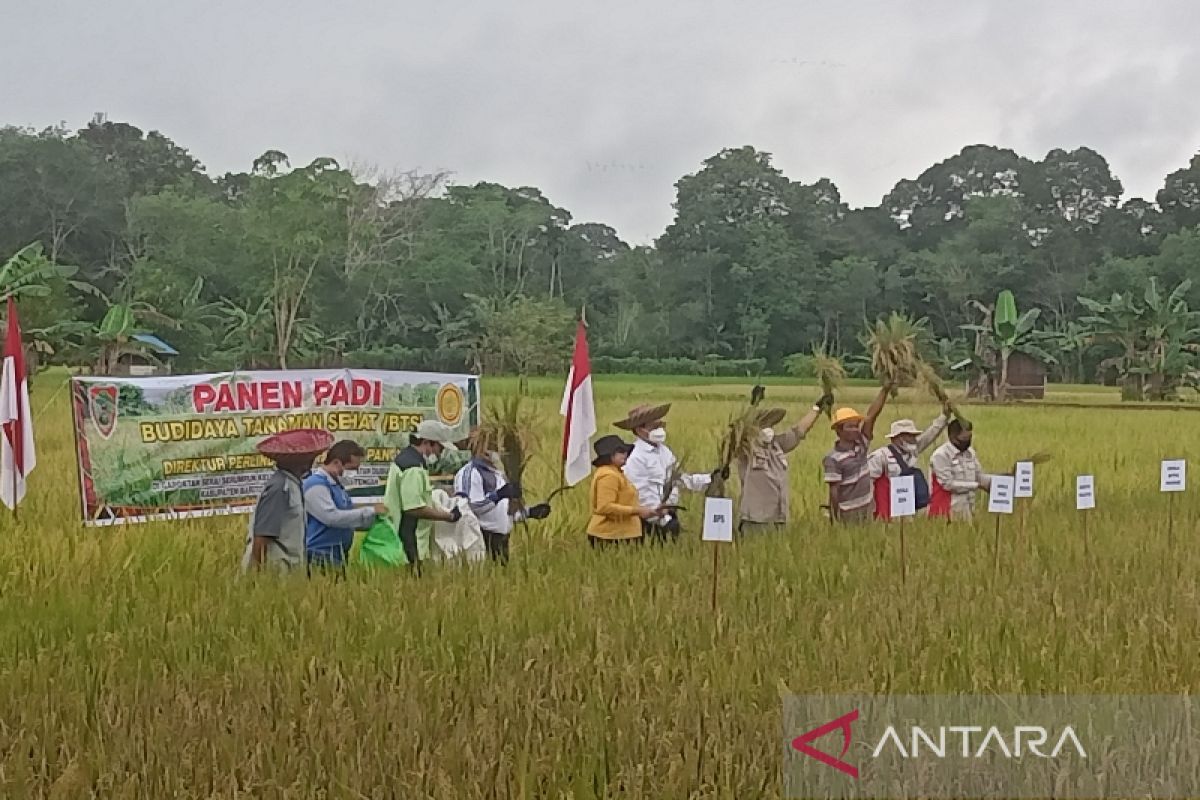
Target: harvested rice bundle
[830, 373]
[738, 443]
[509, 431]
[893, 345]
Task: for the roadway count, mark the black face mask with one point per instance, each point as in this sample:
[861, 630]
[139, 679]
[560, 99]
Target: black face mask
[963, 446]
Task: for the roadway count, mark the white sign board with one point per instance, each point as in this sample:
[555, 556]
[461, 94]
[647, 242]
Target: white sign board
[1024, 479]
[1085, 492]
[1174, 476]
[903, 496]
[718, 519]
[1000, 497]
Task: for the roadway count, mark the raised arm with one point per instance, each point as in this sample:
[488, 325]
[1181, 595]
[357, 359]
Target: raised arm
[790, 439]
[868, 426]
[931, 433]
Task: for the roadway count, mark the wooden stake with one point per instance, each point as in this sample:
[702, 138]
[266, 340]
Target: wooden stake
[997, 546]
[1171, 520]
[903, 561]
[1086, 546]
[716, 555]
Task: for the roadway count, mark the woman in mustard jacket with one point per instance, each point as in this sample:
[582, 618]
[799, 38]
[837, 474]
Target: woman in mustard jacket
[616, 515]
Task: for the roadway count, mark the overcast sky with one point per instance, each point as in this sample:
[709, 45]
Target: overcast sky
[604, 105]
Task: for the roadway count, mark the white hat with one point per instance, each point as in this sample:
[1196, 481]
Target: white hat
[434, 431]
[902, 426]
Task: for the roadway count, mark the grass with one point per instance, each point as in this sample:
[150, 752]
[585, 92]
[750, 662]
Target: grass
[135, 663]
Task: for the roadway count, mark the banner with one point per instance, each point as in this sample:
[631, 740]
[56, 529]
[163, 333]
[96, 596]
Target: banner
[158, 448]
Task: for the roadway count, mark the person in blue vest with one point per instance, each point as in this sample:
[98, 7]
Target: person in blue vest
[330, 514]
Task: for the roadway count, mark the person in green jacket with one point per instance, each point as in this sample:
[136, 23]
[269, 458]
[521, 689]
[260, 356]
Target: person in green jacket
[409, 492]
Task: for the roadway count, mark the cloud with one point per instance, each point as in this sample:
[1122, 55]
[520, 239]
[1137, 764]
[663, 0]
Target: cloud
[604, 106]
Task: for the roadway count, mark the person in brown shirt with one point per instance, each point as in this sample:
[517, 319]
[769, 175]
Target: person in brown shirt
[764, 471]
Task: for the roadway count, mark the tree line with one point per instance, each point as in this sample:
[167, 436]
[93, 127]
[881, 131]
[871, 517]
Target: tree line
[109, 230]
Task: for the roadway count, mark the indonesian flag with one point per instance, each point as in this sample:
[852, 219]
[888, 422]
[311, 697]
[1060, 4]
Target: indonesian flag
[17, 457]
[580, 411]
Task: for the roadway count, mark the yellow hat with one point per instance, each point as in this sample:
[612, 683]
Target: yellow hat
[843, 415]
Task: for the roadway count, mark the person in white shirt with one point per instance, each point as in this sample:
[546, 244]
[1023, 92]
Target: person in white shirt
[487, 491]
[905, 442]
[649, 467]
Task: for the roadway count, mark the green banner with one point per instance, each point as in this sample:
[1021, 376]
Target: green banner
[152, 448]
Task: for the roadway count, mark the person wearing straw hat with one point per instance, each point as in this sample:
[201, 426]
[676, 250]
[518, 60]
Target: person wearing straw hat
[847, 474]
[906, 443]
[613, 500]
[275, 538]
[764, 471]
[649, 466]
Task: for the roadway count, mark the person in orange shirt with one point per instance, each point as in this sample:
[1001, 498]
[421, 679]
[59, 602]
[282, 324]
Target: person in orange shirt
[616, 516]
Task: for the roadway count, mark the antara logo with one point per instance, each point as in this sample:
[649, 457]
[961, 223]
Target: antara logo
[975, 741]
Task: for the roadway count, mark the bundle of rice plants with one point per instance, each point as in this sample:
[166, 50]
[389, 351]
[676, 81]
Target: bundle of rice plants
[829, 371]
[738, 443]
[893, 344]
[508, 430]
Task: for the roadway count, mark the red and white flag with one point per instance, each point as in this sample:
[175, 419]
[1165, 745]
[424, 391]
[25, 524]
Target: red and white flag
[17, 458]
[580, 411]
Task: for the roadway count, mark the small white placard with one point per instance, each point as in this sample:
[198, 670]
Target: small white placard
[718, 519]
[1085, 492]
[904, 496]
[1000, 497]
[1024, 479]
[1174, 476]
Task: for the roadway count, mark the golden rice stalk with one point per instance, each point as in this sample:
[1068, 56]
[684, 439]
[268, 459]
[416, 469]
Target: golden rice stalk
[738, 444]
[931, 382]
[830, 373]
[674, 477]
[510, 431]
[892, 343]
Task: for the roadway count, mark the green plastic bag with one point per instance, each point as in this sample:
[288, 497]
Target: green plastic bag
[381, 547]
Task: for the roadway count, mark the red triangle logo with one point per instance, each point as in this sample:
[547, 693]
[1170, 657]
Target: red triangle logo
[842, 723]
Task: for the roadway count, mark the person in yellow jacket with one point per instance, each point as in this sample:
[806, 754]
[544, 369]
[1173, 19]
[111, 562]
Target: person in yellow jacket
[616, 516]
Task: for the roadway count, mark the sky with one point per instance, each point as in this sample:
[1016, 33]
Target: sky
[605, 105]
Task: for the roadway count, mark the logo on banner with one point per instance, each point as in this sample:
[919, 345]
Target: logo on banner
[102, 405]
[450, 404]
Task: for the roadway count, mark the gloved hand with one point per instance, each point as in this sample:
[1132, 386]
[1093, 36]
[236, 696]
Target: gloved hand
[540, 511]
[757, 394]
[722, 473]
[825, 402]
[455, 514]
[509, 491]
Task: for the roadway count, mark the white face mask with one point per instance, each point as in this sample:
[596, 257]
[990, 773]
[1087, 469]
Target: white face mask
[432, 459]
[657, 436]
[766, 436]
[350, 474]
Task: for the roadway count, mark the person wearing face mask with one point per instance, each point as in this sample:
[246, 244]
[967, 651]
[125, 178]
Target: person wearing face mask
[331, 516]
[957, 475]
[409, 492]
[649, 466]
[906, 443]
[764, 471]
[847, 474]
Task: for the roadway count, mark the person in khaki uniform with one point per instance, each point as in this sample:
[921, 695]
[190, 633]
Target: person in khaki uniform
[764, 473]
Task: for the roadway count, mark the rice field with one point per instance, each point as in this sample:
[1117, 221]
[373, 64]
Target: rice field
[135, 663]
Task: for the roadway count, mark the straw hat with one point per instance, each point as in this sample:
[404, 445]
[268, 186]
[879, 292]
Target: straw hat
[642, 416]
[434, 431]
[844, 415]
[902, 426]
[298, 442]
[770, 417]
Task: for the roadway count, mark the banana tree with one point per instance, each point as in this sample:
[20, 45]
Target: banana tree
[1150, 344]
[29, 273]
[1003, 333]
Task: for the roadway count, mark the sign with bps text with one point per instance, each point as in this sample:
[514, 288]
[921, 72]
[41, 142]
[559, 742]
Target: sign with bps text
[153, 448]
